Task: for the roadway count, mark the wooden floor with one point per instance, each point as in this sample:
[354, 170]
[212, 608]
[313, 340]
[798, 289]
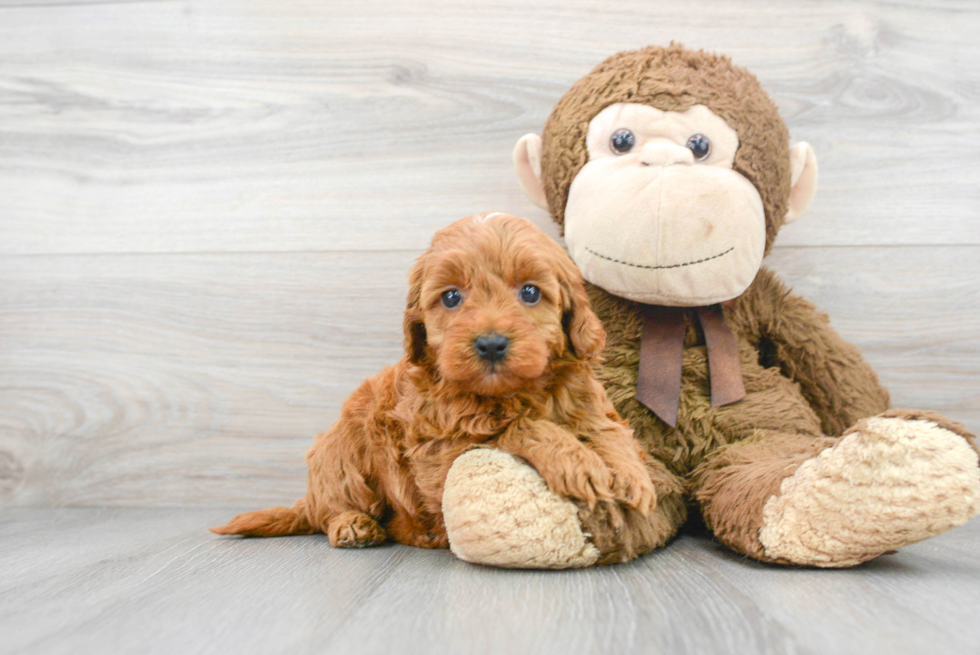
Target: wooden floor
[85, 581]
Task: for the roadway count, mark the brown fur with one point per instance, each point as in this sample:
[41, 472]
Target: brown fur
[805, 385]
[379, 471]
[802, 382]
[621, 533]
[734, 483]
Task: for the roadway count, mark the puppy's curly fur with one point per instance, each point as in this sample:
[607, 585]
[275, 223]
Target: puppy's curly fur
[379, 471]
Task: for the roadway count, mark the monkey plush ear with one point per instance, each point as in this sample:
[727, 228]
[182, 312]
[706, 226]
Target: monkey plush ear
[803, 166]
[527, 161]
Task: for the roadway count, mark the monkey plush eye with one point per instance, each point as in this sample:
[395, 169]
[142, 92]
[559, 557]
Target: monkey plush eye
[700, 146]
[451, 298]
[622, 141]
[530, 294]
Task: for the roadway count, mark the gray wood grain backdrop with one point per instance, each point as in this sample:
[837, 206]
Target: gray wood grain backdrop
[207, 208]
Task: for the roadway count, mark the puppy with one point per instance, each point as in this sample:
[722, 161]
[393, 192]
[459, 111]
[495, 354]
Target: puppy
[499, 341]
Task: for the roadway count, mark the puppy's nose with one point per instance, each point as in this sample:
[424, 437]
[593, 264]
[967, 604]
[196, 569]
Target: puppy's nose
[491, 347]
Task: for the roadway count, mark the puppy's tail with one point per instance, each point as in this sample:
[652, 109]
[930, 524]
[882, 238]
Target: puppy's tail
[272, 522]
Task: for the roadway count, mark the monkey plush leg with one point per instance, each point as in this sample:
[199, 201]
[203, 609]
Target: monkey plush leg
[890, 481]
[499, 512]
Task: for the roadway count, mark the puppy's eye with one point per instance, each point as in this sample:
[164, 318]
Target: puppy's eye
[530, 294]
[700, 146]
[622, 141]
[451, 298]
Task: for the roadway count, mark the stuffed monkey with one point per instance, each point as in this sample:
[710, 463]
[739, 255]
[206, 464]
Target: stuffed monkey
[670, 172]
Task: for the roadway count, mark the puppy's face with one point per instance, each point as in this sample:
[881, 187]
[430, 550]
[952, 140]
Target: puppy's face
[493, 303]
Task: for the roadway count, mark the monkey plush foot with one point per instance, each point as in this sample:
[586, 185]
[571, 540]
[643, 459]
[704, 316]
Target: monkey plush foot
[889, 482]
[499, 511]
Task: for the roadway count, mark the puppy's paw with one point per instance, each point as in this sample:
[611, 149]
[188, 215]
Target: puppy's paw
[579, 474]
[632, 486]
[354, 529]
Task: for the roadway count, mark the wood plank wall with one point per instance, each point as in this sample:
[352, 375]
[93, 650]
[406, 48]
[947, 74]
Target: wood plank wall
[207, 208]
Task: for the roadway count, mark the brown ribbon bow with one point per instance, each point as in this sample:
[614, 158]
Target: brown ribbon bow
[658, 384]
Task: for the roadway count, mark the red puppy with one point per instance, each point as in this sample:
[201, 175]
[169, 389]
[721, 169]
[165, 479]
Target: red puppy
[499, 340]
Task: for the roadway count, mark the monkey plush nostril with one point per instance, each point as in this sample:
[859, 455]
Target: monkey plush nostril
[491, 347]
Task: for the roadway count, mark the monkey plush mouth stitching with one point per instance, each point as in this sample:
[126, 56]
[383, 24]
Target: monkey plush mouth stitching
[699, 261]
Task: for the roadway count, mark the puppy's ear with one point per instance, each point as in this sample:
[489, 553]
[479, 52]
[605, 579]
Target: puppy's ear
[582, 326]
[413, 323]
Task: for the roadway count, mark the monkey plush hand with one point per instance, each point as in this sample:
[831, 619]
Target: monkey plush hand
[670, 172]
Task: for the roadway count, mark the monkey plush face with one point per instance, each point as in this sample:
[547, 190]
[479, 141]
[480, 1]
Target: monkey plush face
[657, 214]
[670, 173]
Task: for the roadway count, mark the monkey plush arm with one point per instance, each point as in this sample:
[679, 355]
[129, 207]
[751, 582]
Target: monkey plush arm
[790, 333]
